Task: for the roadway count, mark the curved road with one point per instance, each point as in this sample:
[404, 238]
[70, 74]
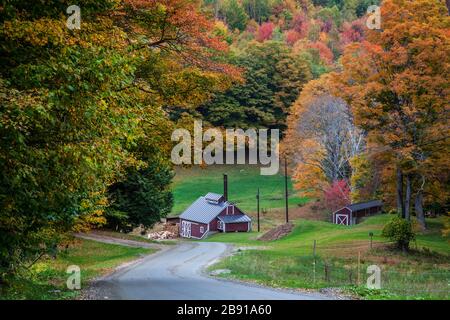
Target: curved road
[176, 274]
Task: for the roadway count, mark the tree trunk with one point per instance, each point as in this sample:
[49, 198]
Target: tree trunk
[408, 198]
[418, 204]
[400, 205]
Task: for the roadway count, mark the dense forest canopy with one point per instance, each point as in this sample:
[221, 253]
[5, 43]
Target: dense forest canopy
[280, 45]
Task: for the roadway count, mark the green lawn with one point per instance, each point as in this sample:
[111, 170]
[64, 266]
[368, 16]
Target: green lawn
[243, 182]
[47, 278]
[288, 262]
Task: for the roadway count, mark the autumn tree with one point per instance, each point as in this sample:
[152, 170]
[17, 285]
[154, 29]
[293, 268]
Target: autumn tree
[397, 85]
[321, 138]
[337, 195]
[79, 107]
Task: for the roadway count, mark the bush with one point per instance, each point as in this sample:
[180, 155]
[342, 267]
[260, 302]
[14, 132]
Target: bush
[393, 211]
[400, 231]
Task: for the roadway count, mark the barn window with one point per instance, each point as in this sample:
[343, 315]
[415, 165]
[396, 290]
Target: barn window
[202, 229]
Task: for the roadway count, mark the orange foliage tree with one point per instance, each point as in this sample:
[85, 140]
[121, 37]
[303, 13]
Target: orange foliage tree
[398, 87]
[321, 138]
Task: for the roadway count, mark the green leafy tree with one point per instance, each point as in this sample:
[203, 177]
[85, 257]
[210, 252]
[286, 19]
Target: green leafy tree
[273, 79]
[142, 198]
[400, 231]
[234, 15]
[258, 10]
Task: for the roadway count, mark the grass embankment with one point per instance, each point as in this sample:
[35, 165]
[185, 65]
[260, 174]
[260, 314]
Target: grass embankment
[243, 182]
[47, 278]
[289, 262]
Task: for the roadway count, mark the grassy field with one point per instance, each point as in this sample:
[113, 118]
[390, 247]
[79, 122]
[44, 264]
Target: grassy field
[243, 182]
[47, 278]
[288, 262]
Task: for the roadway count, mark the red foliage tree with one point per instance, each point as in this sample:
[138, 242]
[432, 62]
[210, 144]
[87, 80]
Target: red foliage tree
[265, 31]
[352, 32]
[292, 37]
[337, 195]
[325, 53]
[300, 24]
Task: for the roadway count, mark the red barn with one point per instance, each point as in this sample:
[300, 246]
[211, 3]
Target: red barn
[353, 213]
[212, 213]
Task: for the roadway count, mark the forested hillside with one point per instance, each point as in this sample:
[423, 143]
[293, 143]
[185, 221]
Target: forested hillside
[87, 114]
[281, 45]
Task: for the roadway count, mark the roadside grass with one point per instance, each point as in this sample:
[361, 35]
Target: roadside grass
[133, 237]
[243, 182]
[422, 273]
[46, 279]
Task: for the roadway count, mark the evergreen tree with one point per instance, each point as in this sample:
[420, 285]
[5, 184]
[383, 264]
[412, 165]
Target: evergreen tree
[142, 198]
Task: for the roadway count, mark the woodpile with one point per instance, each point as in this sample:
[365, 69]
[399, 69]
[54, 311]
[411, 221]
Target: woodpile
[162, 235]
[166, 231]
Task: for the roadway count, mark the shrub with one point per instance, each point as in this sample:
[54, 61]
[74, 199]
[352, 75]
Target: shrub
[400, 231]
[393, 211]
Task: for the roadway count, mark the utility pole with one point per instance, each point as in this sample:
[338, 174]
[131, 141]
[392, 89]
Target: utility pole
[257, 207]
[286, 189]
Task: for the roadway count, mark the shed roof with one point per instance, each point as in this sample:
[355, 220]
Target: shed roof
[203, 210]
[365, 205]
[235, 218]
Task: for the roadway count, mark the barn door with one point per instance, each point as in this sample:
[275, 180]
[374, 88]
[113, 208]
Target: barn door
[342, 219]
[188, 230]
[185, 229]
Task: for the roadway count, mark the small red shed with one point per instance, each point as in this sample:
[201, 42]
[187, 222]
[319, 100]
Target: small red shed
[353, 213]
[212, 212]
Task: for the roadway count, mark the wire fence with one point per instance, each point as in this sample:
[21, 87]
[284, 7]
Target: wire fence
[318, 268]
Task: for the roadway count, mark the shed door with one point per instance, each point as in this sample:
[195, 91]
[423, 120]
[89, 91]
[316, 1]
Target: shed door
[342, 219]
[185, 229]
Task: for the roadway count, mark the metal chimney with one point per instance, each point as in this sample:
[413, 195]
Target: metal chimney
[225, 187]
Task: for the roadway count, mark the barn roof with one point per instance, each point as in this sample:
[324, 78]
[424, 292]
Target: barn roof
[364, 205]
[213, 196]
[235, 218]
[203, 210]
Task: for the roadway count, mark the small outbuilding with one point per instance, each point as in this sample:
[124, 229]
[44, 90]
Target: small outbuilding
[212, 213]
[353, 213]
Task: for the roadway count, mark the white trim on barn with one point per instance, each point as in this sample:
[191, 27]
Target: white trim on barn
[186, 227]
[190, 223]
[341, 218]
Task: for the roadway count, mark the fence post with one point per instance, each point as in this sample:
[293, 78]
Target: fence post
[359, 268]
[327, 271]
[350, 276]
[314, 261]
